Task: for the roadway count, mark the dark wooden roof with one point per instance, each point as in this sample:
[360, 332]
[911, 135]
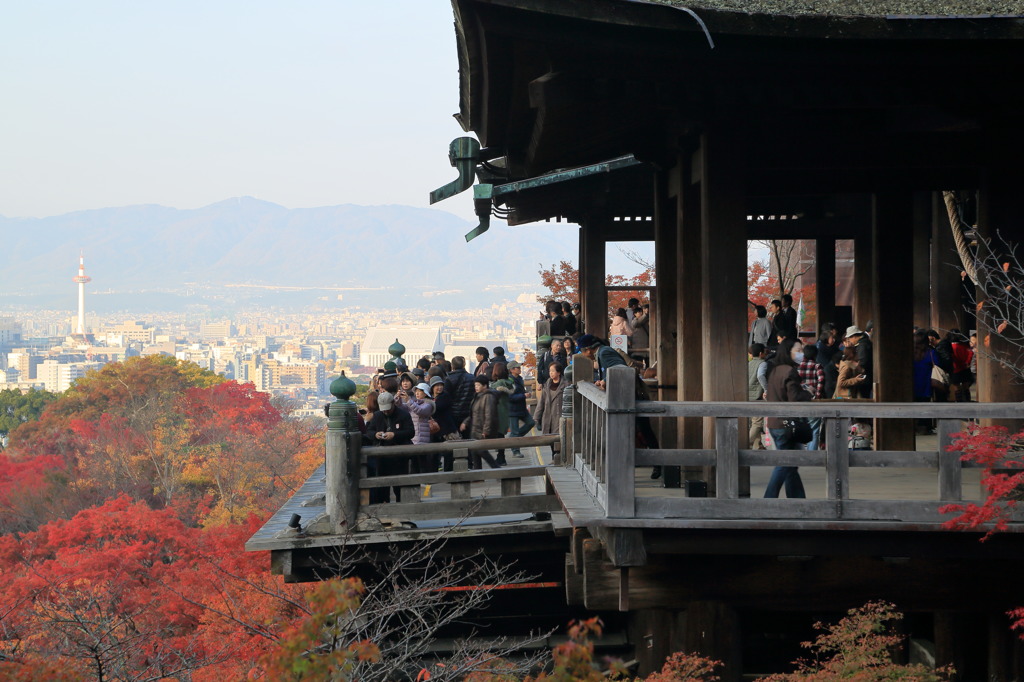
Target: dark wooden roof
[881, 99]
[859, 8]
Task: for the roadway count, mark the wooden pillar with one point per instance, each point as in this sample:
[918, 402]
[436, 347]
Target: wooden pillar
[892, 241]
[592, 275]
[921, 255]
[1000, 647]
[946, 306]
[825, 280]
[650, 632]
[666, 309]
[689, 355]
[1000, 217]
[723, 288]
[961, 641]
[863, 279]
[666, 272]
[712, 629]
[342, 467]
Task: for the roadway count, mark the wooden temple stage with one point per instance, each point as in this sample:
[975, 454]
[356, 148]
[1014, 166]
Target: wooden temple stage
[680, 572]
[700, 126]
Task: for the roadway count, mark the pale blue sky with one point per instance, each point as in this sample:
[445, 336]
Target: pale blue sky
[186, 103]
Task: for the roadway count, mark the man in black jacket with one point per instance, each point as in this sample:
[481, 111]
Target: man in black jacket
[459, 385]
[390, 425]
[785, 319]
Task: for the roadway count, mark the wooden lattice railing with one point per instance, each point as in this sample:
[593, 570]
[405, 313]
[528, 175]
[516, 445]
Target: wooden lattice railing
[603, 451]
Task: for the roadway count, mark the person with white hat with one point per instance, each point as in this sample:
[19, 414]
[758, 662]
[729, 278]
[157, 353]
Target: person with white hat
[421, 409]
[865, 358]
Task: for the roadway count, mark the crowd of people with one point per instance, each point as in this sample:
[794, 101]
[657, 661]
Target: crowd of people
[440, 400]
[782, 368]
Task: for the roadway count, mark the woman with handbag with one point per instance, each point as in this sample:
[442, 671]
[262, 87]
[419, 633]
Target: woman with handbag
[784, 386]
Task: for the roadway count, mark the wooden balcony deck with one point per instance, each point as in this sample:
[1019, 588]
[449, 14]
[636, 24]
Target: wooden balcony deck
[310, 502]
[601, 480]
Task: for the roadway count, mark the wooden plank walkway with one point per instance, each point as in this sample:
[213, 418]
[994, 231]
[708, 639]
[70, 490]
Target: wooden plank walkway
[310, 501]
[579, 505]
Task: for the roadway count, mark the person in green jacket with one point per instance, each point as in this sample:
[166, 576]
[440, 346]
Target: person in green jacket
[503, 387]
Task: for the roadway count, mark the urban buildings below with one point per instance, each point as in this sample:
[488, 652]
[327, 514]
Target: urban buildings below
[292, 355]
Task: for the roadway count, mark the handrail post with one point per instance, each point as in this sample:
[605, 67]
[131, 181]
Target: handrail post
[582, 370]
[837, 461]
[727, 461]
[950, 469]
[564, 456]
[620, 442]
[343, 454]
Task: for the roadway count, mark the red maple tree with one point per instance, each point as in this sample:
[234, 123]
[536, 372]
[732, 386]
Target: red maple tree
[563, 284]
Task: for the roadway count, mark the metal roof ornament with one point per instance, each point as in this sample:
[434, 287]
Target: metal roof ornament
[396, 350]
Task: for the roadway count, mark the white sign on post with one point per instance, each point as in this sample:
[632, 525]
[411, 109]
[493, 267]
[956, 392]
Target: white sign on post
[620, 342]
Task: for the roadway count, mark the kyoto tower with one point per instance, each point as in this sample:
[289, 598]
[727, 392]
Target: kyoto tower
[81, 280]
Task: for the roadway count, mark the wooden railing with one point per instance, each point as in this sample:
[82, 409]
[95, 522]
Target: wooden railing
[604, 452]
[348, 485]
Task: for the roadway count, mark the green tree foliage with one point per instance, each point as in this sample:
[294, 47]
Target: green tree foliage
[17, 408]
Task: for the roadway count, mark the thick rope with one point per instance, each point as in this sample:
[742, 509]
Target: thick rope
[962, 248]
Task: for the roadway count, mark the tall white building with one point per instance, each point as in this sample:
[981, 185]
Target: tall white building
[418, 341]
[58, 377]
[81, 280]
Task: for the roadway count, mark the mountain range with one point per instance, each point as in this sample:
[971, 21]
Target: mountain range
[245, 241]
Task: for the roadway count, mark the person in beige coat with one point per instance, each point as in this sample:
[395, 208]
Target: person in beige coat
[549, 401]
[850, 374]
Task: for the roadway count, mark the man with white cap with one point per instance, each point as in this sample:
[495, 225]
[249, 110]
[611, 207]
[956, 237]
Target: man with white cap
[865, 357]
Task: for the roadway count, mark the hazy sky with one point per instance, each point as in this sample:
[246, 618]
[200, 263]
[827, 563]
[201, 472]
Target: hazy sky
[186, 103]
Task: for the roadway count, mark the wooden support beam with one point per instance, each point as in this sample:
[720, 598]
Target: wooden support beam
[792, 582]
[573, 583]
[281, 562]
[578, 536]
[921, 258]
[625, 546]
[723, 290]
[712, 629]
[1000, 217]
[893, 310]
[652, 632]
[825, 280]
[592, 273]
[863, 278]
[689, 324]
[666, 310]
